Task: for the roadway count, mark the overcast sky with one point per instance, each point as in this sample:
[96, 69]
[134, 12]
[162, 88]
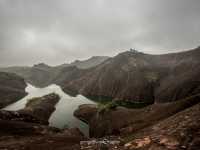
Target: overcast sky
[60, 31]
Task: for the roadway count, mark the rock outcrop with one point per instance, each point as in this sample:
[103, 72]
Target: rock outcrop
[12, 88]
[85, 112]
[41, 107]
[37, 110]
[180, 131]
[123, 121]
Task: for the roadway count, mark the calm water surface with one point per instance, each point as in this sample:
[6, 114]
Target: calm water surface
[63, 115]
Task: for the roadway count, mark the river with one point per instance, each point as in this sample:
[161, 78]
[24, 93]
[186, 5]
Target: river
[63, 115]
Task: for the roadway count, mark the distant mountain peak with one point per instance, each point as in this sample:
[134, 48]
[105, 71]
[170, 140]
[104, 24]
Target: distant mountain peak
[41, 65]
[90, 62]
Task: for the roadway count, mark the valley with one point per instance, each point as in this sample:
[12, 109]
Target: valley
[62, 117]
[136, 100]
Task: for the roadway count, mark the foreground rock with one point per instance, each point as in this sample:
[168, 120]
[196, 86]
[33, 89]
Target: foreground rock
[123, 121]
[85, 112]
[12, 88]
[27, 136]
[178, 132]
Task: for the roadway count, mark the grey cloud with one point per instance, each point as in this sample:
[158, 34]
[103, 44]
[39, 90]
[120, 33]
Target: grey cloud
[61, 31]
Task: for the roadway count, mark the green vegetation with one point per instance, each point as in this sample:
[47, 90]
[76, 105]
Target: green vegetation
[151, 76]
[106, 107]
[111, 105]
[33, 101]
[129, 104]
[37, 100]
[100, 99]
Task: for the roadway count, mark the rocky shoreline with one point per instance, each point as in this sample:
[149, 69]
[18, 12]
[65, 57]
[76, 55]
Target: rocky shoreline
[41, 107]
[28, 128]
[151, 127]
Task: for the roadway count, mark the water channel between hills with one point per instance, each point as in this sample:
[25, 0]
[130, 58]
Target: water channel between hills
[63, 115]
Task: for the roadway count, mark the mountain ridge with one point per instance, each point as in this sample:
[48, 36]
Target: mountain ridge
[129, 76]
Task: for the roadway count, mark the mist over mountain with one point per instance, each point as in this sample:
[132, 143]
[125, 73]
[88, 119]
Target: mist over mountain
[99, 75]
[62, 31]
[42, 74]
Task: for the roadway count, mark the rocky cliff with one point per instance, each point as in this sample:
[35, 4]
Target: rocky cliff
[12, 88]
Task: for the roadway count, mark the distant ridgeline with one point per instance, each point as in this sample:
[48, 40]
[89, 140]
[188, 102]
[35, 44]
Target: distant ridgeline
[133, 50]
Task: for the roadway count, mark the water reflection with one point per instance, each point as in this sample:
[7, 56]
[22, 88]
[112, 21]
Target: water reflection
[63, 115]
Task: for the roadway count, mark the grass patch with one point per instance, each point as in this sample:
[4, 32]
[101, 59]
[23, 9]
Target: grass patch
[129, 104]
[111, 105]
[100, 99]
[106, 107]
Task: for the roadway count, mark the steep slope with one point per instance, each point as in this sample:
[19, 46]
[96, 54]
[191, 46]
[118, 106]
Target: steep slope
[141, 77]
[180, 131]
[115, 77]
[12, 88]
[183, 77]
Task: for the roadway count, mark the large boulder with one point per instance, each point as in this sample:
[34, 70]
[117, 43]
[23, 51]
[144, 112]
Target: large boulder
[85, 112]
